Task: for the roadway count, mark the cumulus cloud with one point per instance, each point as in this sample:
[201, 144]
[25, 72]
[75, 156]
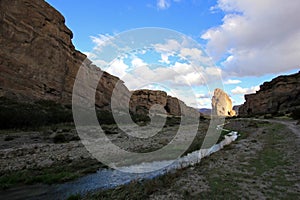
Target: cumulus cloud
[256, 37]
[180, 66]
[163, 4]
[240, 90]
[232, 82]
[118, 68]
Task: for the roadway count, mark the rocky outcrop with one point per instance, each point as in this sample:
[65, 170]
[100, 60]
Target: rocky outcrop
[221, 104]
[37, 58]
[144, 100]
[279, 96]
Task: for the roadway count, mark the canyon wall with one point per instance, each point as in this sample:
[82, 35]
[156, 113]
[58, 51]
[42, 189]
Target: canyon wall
[37, 58]
[279, 96]
[39, 62]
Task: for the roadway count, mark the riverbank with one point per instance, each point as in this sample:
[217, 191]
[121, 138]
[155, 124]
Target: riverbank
[55, 154]
[262, 164]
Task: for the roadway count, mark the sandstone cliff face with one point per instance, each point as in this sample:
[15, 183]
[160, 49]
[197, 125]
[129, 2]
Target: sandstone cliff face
[281, 95]
[37, 58]
[221, 104]
[39, 62]
[142, 100]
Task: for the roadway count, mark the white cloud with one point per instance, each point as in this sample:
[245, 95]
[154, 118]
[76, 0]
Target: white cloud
[232, 82]
[163, 4]
[189, 70]
[203, 96]
[204, 102]
[165, 58]
[240, 90]
[169, 46]
[137, 62]
[100, 40]
[118, 68]
[257, 37]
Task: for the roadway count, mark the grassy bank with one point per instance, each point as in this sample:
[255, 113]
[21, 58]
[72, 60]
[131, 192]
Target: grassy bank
[56, 174]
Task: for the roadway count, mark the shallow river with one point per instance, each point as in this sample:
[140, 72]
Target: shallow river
[110, 178]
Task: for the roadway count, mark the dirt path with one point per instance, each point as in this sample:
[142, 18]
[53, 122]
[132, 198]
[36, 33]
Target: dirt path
[291, 124]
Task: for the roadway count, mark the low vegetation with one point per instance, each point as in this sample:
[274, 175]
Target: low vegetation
[55, 174]
[16, 115]
[296, 114]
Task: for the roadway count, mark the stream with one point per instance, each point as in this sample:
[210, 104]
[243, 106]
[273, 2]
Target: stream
[110, 178]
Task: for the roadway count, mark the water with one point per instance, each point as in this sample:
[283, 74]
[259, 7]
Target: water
[110, 178]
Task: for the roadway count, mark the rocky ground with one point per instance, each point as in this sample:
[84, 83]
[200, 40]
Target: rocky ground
[55, 154]
[262, 164]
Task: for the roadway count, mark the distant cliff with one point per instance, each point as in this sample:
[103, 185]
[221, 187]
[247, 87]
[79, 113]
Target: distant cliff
[279, 96]
[142, 100]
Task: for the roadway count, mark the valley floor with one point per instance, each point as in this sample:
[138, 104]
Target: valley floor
[262, 164]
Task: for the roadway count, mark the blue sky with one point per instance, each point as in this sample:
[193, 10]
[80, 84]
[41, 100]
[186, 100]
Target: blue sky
[250, 41]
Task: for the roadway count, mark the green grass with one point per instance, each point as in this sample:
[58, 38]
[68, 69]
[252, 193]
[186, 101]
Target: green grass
[135, 190]
[48, 176]
[56, 174]
[270, 156]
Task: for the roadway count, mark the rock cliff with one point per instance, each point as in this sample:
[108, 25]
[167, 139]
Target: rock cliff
[279, 96]
[39, 62]
[37, 58]
[221, 104]
[142, 100]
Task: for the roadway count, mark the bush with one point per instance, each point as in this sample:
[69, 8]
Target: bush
[15, 114]
[105, 117]
[296, 114]
[59, 138]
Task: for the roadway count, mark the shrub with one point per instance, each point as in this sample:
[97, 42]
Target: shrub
[15, 114]
[296, 114]
[59, 138]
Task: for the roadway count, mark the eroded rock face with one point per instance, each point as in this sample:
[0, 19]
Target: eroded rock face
[37, 58]
[281, 95]
[221, 104]
[39, 62]
[142, 101]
